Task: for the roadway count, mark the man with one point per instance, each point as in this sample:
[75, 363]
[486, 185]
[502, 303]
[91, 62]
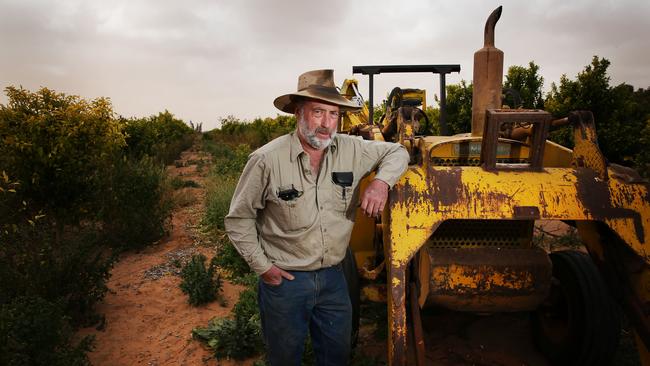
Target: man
[292, 215]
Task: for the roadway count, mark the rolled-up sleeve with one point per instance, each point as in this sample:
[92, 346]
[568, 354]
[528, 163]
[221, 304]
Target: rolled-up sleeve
[389, 159]
[247, 201]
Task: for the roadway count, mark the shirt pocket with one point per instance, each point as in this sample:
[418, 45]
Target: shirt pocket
[342, 197]
[342, 201]
[292, 215]
[343, 184]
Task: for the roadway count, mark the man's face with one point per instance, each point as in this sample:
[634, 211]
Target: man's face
[317, 123]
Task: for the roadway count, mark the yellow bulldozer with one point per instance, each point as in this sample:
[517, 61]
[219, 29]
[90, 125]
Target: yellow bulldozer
[458, 229]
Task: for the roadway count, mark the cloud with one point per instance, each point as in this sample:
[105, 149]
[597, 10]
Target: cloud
[205, 59]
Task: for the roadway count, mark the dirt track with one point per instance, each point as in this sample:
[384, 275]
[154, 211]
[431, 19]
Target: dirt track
[148, 319]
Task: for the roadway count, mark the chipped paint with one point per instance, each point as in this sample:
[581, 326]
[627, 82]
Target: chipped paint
[558, 193]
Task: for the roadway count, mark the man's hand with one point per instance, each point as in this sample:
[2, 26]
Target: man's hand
[274, 276]
[374, 198]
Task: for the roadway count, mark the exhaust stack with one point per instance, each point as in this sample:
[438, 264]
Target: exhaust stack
[488, 76]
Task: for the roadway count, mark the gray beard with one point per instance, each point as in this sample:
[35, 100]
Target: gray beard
[311, 138]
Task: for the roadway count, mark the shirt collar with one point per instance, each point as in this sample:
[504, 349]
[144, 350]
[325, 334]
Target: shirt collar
[296, 146]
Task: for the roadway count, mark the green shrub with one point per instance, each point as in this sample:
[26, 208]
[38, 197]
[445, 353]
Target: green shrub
[74, 268]
[161, 137]
[53, 145]
[255, 134]
[34, 331]
[231, 163]
[246, 307]
[237, 338]
[219, 193]
[201, 284]
[135, 204]
[228, 259]
[71, 191]
[178, 183]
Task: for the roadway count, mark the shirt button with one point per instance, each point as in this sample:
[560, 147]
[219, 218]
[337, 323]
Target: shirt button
[321, 207]
[324, 230]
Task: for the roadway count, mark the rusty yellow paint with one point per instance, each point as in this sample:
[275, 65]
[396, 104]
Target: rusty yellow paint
[466, 280]
[556, 155]
[397, 316]
[351, 119]
[427, 198]
[419, 94]
[363, 233]
[451, 146]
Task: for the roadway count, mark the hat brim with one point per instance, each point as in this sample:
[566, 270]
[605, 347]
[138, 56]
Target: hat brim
[287, 103]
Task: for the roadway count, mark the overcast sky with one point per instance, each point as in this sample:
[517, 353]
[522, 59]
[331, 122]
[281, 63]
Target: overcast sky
[203, 60]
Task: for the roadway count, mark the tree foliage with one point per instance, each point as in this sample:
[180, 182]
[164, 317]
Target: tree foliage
[621, 114]
[54, 145]
[34, 331]
[235, 132]
[160, 136]
[459, 108]
[527, 82]
[72, 195]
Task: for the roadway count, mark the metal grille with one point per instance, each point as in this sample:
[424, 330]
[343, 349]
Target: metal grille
[482, 233]
[473, 161]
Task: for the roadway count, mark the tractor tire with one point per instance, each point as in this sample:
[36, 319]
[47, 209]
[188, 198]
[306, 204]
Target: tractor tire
[579, 322]
[354, 289]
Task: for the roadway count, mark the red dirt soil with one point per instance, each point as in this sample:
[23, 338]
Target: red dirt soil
[148, 320]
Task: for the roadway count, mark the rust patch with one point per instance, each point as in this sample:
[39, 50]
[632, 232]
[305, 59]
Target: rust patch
[543, 203]
[488, 279]
[526, 212]
[595, 195]
[416, 171]
[445, 185]
[397, 316]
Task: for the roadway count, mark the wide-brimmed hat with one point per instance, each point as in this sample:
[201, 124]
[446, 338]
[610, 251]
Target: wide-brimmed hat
[317, 85]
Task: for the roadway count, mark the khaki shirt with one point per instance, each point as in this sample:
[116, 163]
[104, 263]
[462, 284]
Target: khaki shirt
[311, 231]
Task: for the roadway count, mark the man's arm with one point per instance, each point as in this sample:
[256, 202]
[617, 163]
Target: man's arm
[240, 223]
[249, 197]
[390, 160]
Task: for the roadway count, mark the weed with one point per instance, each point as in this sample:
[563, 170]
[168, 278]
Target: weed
[184, 198]
[201, 284]
[228, 259]
[219, 193]
[178, 183]
[246, 307]
[237, 338]
[232, 163]
[200, 165]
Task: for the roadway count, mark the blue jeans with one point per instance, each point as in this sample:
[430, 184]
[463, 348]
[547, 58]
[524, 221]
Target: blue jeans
[315, 301]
